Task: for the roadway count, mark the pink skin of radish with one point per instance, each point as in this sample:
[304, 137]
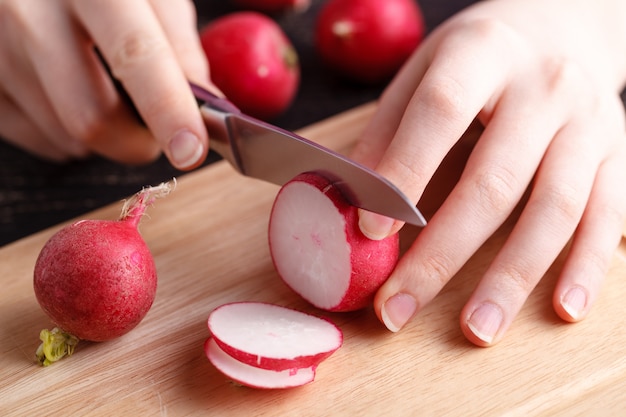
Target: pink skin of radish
[272, 337]
[253, 377]
[252, 62]
[96, 279]
[368, 40]
[319, 251]
[263, 345]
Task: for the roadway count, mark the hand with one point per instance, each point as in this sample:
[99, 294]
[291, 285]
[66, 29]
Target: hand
[57, 101]
[543, 78]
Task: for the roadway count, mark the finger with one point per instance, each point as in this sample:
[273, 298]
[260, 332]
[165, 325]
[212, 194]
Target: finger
[79, 91]
[497, 173]
[140, 56]
[444, 105]
[594, 243]
[393, 102]
[19, 82]
[179, 24]
[553, 211]
[16, 128]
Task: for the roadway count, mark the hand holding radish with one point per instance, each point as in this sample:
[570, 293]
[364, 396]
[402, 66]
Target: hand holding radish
[543, 78]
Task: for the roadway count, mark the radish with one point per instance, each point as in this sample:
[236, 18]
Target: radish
[318, 249]
[253, 62]
[368, 40]
[268, 346]
[96, 279]
[274, 6]
[256, 377]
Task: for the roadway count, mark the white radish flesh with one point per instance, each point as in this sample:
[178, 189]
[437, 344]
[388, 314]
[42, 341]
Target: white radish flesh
[318, 249]
[273, 337]
[256, 377]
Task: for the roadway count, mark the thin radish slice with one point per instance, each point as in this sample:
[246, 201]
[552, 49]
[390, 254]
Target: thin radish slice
[318, 249]
[272, 337]
[255, 377]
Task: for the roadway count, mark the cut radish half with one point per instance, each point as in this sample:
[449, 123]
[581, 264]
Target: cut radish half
[255, 377]
[318, 249]
[272, 337]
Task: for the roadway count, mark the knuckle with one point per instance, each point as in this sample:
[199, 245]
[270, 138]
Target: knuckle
[563, 75]
[594, 262]
[518, 277]
[445, 95]
[565, 201]
[496, 189]
[132, 49]
[438, 267]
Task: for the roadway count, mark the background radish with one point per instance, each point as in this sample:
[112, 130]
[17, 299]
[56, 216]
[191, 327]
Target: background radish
[274, 6]
[253, 62]
[96, 279]
[268, 346]
[318, 249]
[368, 40]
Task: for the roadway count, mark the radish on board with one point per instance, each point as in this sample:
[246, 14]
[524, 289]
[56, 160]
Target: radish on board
[264, 345]
[96, 279]
[254, 377]
[318, 249]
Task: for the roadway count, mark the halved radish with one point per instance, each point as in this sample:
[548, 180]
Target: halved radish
[252, 376]
[318, 249]
[272, 337]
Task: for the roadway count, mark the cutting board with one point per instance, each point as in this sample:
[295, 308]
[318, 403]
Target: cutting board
[210, 246]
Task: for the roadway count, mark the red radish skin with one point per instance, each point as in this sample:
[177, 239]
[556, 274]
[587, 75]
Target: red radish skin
[368, 40]
[272, 337]
[319, 251]
[253, 377]
[274, 6]
[252, 62]
[96, 279]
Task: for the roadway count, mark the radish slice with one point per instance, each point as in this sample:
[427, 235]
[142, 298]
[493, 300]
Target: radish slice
[272, 337]
[255, 377]
[318, 249]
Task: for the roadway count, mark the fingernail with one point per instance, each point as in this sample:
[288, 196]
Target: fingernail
[397, 310]
[574, 302]
[185, 149]
[485, 322]
[375, 226]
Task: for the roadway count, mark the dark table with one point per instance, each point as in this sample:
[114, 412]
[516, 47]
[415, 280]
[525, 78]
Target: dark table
[35, 194]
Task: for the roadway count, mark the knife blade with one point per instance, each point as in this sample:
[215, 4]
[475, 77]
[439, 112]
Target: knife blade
[260, 150]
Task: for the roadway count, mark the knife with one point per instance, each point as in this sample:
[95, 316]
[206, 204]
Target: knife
[260, 150]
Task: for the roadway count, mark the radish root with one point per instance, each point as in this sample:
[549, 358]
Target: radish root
[55, 344]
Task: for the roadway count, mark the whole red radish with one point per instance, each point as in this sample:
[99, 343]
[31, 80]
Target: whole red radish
[318, 249]
[368, 40]
[96, 279]
[253, 62]
[264, 345]
[274, 6]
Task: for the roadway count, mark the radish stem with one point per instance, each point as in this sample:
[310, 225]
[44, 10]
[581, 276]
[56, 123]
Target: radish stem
[134, 208]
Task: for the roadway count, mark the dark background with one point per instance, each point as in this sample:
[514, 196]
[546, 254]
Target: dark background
[35, 194]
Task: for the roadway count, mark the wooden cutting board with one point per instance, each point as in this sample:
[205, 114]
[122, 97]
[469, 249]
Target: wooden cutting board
[210, 246]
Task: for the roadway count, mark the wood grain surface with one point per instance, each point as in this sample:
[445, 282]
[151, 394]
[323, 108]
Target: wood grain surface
[210, 246]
